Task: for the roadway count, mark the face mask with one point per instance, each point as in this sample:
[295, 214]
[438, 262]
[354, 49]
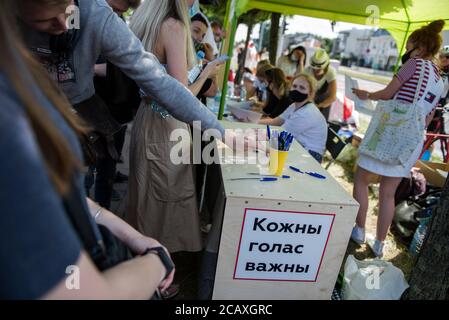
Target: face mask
[406, 56]
[193, 10]
[294, 58]
[297, 96]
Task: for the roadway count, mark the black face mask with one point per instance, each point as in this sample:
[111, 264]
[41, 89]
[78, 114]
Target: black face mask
[297, 96]
[406, 56]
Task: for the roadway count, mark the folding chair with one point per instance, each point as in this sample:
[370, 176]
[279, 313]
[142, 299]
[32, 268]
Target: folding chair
[334, 145]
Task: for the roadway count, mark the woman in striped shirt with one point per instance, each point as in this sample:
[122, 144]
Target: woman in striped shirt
[422, 48]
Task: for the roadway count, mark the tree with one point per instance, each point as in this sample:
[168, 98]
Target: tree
[430, 276]
[251, 18]
[274, 36]
[215, 12]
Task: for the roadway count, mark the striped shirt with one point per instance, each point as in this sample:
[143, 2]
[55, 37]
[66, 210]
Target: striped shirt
[409, 75]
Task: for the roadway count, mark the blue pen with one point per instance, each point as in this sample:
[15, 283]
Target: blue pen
[268, 132]
[316, 175]
[296, 169]
[312, 174]
[289, 142]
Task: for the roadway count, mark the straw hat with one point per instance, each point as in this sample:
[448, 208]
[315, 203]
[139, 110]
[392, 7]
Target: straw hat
[320, 60]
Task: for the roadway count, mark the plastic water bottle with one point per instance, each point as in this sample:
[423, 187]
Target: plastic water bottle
[418, 237]
[230, 89]
[196, 71]
[243, 93]
[217, 101]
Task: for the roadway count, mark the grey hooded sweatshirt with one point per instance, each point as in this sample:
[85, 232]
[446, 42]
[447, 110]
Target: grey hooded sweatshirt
[103, 33]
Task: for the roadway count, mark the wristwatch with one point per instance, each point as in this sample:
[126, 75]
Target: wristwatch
[165, 259]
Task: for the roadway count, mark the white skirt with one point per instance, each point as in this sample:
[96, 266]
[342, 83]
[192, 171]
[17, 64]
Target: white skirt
[388, 170]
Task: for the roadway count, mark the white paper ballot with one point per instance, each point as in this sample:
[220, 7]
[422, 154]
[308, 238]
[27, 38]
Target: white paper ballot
[351, 83]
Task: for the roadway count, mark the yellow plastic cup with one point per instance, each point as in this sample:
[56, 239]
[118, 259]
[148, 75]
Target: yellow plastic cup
[277, 162]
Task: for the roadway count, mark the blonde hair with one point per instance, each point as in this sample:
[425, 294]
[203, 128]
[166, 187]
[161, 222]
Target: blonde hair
[262, 68]
[310, 80]
[147, 20]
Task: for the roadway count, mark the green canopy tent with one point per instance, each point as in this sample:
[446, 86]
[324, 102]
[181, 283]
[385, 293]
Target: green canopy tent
[399, 17]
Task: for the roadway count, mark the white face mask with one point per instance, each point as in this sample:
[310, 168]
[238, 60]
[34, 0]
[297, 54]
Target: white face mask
[294, 58]
[193, 10]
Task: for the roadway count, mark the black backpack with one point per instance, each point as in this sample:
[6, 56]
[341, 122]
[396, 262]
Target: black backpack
[119, 92]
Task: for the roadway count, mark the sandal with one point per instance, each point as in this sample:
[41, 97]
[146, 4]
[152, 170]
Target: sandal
[171, 292]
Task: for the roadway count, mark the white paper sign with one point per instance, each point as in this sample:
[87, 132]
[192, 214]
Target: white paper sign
[282, 245]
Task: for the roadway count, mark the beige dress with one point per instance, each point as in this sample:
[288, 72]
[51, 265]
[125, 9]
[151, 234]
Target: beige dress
[162, 195]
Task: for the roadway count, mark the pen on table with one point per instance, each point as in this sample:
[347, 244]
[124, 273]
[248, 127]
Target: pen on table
[296, 169]
[312, 174]
[263, 179]
[266, 175]
[268, 132]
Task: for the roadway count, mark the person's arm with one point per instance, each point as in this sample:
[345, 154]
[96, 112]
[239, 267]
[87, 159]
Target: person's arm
[173, 38]
[301, 66]
[135, 241]
[212, 91]
[210, 71]
[332, 95]
[136, 279]
[122, 48]
[384, 94]
[100, 70]
[403, 75]
[273, 122]
[39, 247]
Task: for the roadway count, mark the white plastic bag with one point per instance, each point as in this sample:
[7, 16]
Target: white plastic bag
[372, 280]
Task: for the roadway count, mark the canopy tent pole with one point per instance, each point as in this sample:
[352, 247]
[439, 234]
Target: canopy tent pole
[231, 13]
[404, 42]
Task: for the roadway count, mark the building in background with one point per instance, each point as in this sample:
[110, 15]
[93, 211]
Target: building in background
[353, 46]
[383, 51]
[446, 38]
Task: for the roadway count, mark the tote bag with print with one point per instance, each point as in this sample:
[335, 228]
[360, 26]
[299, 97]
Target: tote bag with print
[396, 128]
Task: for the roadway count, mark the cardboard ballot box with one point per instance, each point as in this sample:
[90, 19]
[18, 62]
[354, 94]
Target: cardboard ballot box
[284, 239]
